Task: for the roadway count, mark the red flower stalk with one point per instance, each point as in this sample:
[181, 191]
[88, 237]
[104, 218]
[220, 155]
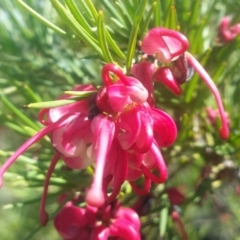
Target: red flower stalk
[226, 32]
[111, 220]
[179, 225]
[170, 46]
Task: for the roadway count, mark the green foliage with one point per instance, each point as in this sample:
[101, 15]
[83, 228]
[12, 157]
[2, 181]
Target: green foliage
[49, 46]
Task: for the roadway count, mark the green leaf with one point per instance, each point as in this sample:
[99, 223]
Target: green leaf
[41, 18]
[145, 24]
[133, 35]
[78, 15]
[76, 27]
[163, 214]
[52, 104]
[93, 10]
[22, 117]
[102, 39]
[171, 19]
[112, 10]
[82, 94]
[158, 14]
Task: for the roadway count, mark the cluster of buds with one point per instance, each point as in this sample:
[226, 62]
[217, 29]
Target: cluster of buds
[91, 223]
[118, 127]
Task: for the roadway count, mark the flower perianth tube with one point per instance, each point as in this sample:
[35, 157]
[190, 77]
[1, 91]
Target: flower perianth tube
[145, 189]
[43, 215]
[159, 164]
[62, 121]
[112, 68]
[166, 43]
[224, 131]
[104, 130]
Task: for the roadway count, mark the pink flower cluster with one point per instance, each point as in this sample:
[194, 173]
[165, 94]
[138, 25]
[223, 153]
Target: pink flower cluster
[119, 129]
[91, 223]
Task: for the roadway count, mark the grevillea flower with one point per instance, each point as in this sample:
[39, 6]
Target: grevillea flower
[111, 220]
[226, 32]
[130, 141]
[115, 129]
[170, 46]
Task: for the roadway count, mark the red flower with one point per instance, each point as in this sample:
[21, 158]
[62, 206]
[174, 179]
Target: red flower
[111, 220]
[226, 32]
[171, 46]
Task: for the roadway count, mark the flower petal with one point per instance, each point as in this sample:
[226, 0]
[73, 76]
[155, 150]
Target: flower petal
[145, 136]
[144, 71]
[129, 124]
[165, 76]
[70, 221]
[130, 215]
[165, 130]
[104, 130]
[160, 165]
[166, 43]
[99, 233]
[122, 228]
[146, 186]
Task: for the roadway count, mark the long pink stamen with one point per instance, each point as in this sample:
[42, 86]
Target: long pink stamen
[119, 174]
[29, 143]
[145, 189]
[108, 68]
[43, 215]
[163, 172]
[224, 131]
[105, 131]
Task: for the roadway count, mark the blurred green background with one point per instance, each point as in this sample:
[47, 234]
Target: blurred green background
[38, 64]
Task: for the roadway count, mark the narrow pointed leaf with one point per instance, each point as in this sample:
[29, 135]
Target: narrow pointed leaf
[171, 19]
[78, 29]
[82, 94]
[145, 24]
[51, 104]
[22, 117]
[78, 15]
[158, 14]
[102, 39]
[41, 18]
[133, 35]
